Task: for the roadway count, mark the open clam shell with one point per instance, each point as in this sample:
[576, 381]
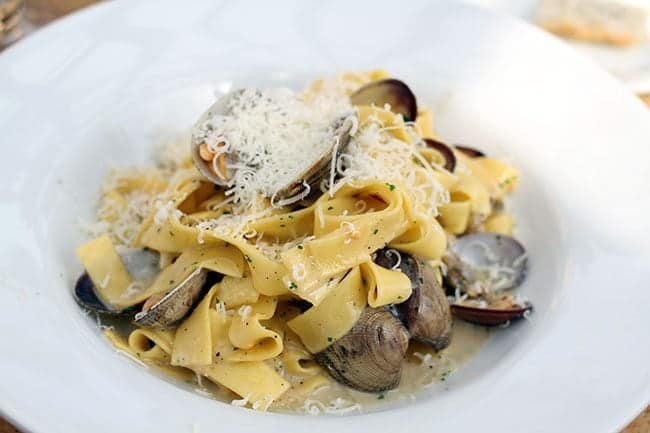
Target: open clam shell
[469, 151]
[369, 357]
[175, 304]
[159, 311]
[320, 168]
[445, 151]
[205, 167]
[490, 316]
[339, 137]
[492, 259]
[390, 91]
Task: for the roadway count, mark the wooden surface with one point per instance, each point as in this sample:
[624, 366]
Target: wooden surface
[40, 12]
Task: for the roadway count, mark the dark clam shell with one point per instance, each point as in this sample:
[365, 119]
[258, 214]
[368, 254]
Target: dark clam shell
[84, 294]
[369, 357]
[390, 91]
[474, 251]
[469, 151]
[143, 266]
[426, 312]
[445, 151]
[175, 304]
[490, 316]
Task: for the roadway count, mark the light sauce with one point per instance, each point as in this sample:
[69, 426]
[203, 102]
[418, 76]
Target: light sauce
[424, 369]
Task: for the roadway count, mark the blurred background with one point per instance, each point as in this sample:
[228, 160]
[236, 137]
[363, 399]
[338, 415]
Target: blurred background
[615, 34]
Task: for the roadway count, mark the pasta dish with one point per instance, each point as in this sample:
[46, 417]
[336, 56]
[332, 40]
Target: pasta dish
[307, 251]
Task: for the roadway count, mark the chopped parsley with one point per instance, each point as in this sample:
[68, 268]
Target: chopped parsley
[300, 247]
[380, 397]
[375, 232]
[391, 186]
[292, 286]
[330, 339]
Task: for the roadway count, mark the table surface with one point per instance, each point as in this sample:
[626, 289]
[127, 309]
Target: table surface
[40, 12]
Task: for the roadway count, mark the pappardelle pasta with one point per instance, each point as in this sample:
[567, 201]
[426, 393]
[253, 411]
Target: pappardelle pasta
[307, 250]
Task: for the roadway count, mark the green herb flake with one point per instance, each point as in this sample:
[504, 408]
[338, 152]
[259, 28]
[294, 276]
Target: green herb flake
[375, 232]
[171, 282]
[330, 339]
[391, 186]
[330, 207]
[381, 397]
[248, 259]
[300, 247]
[292, 286]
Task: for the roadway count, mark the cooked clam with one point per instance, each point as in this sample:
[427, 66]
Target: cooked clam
[369, 357]
[202, 155]
[141, 264]
[469, 151]
[159, 310]
[426, 312]
[85, 295]
[478, 260]
[164, 310]
[320, 168]
[216, 166]
[480, 266]
[392, 92]
[491, 316]
[445, 151]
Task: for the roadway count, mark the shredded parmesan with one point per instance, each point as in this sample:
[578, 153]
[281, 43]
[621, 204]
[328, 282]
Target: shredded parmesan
[338, 406]
[272, 136]
[398, 257]
[263, 403]
[241, 402]
[298, 271]
[244, 311]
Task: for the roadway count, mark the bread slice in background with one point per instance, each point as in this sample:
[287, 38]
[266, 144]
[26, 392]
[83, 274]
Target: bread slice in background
[618, 22]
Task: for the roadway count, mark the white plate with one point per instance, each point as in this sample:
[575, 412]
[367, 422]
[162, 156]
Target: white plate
[103, 87]
[629, 64]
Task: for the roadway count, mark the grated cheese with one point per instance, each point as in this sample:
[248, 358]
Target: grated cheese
[241, 402]
[244, 311]
[393, 252]
[272, 135]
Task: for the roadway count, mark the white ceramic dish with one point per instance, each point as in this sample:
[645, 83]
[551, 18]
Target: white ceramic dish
[104, 86]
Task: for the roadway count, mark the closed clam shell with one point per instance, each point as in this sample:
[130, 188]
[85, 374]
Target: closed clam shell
[426, 312]
[369, 357]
